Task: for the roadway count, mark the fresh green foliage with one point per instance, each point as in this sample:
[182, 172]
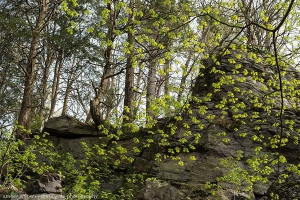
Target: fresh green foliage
[181, 92]
[17, 158]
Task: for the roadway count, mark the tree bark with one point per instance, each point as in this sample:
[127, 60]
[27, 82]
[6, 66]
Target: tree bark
[129, 80]
[151, 86]
[71, 79]
[184, 76]
[44, 93]
[55, 84]
[24, 116]
[167, 78]
[97, 104]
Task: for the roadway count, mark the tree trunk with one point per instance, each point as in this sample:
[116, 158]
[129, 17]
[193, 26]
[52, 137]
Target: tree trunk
[184, 76]
[151, 85]
[66, 98]
[97, 104]
[129, 81]
[3, 76]
[137, 95]
[71, 79]
[44, 93]
[24, 116]
[55, 84]
[167, 78]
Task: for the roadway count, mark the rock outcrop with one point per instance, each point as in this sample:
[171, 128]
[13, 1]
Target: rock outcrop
[235, 131]
[236, 109]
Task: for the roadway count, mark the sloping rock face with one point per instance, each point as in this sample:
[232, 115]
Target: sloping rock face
[236, 109]
[235, 141]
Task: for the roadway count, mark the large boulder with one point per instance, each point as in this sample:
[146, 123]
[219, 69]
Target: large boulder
[69, 127]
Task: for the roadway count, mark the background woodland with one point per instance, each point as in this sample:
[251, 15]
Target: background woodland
[124, 61]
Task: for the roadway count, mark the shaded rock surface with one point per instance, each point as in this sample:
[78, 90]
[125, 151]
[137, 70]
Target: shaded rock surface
[47, 186]
[49, 183]
[289, 189]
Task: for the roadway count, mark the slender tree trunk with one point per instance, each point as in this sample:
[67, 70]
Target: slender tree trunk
[88, 118]
[184, 76]
[268, 38]
[71, 79]
[151, 86]
[55, 84]
[3, 76]
[44, 93]
[129, 80]
[66, 98]
[138, 84]
[24, 116]
[137, 95]
[111, 100]
[252, 41]
[167, 78]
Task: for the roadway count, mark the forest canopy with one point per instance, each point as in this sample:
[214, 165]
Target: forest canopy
[126, 61]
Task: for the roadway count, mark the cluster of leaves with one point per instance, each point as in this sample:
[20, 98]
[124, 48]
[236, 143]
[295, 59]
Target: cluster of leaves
[99, 165]
[17, 158]
[254, 112]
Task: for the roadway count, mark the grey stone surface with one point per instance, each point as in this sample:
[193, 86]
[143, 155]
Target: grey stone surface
[49, 183]
[156, 190]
